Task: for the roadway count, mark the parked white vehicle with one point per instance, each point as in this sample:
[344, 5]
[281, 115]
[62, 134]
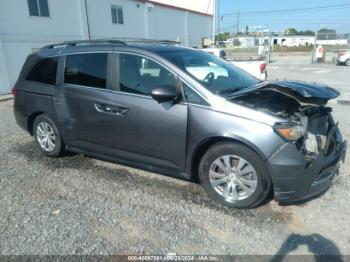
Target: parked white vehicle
[256, 68]
[344, 57]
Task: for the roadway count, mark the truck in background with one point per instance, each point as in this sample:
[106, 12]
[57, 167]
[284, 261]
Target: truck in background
[257, 68]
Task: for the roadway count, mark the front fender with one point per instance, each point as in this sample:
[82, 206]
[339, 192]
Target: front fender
[207, 125]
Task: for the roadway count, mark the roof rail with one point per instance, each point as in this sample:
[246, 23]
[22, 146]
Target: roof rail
[78, 42]
[148, 41]
[115, 41]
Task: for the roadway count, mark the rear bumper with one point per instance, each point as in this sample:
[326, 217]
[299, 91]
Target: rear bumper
[295, 179]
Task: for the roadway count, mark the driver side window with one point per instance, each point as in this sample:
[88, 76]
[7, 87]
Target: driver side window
[139, 75]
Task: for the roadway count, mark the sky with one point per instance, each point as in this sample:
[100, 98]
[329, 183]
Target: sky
[337, 18]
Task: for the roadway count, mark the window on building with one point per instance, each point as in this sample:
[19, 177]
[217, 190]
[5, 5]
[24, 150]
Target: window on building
[86, 70]
[44, 71]
[38, 8]
[139, 75]
[117, 14]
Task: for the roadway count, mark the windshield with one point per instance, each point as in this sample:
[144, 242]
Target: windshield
[217, 75]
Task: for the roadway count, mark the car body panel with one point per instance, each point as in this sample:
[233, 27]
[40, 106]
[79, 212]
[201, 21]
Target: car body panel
[296, 179]
[205, 123]
[138, 131]
[304, 93]
[344, 57]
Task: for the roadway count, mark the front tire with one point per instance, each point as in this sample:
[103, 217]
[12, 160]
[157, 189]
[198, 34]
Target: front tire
[234, 175]
[47, 136]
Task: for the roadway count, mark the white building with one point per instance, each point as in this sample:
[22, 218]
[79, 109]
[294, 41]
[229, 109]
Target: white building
[249, 41]
[290, 41]
[332, 42]
[26, 25]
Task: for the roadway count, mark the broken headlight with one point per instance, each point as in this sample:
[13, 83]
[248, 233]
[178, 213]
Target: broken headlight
[289, 131]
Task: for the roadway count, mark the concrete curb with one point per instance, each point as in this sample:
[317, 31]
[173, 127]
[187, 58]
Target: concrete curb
[4, 98]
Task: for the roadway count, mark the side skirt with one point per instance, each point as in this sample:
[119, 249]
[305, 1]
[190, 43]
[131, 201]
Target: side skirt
[133, 164]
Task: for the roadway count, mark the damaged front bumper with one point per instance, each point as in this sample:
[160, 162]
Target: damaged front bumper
[295, 178]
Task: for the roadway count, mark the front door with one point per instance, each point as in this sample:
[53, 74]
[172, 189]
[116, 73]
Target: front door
[157, 130]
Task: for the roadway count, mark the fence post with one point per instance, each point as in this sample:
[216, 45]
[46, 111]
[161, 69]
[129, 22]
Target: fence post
[314, 48]
[270, 48]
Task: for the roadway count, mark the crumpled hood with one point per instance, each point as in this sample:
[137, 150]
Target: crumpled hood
[304, 93]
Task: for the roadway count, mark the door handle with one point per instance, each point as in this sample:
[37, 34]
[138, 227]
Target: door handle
[113, 110]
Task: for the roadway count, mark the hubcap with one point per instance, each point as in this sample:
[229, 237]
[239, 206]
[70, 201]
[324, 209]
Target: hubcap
[233, 178]
[46, 136]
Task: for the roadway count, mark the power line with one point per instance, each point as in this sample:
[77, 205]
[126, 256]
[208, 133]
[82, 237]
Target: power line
[288, 10]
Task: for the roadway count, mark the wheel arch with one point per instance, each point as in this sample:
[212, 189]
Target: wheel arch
[31, 119]
[203, 146]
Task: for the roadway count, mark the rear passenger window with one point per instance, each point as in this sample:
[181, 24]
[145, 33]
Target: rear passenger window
[44, 71]
[86, 70]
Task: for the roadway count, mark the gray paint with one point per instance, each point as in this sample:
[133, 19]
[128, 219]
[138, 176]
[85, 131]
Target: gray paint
[161, 137]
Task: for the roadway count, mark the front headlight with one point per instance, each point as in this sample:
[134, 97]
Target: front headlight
[290, 132]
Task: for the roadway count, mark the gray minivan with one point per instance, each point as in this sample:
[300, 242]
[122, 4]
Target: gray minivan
[181, 112]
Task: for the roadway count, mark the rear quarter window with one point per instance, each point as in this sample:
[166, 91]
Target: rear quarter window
[44, 71]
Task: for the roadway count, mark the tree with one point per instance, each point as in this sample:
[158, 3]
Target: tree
[222, 36]
[307, 33]
[291, 31]
[326, 34]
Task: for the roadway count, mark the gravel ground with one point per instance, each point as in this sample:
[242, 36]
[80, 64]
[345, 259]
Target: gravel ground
[79, 205]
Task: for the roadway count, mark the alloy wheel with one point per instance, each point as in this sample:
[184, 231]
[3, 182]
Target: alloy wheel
[46, 136]
[233, 178]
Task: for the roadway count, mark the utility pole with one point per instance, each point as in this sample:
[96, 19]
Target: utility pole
[218, 19]
[214, 19]
[234, 23]
[87, 20]
[237, 21]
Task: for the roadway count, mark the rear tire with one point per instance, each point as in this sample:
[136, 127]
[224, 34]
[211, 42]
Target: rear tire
[47, 136]
[234, 175]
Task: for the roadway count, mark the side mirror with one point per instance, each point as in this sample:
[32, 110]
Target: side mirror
[165, 93]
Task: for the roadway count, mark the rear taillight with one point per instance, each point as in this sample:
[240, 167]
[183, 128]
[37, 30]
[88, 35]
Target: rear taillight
[14, 92]
[262, 68]
[340, 53]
